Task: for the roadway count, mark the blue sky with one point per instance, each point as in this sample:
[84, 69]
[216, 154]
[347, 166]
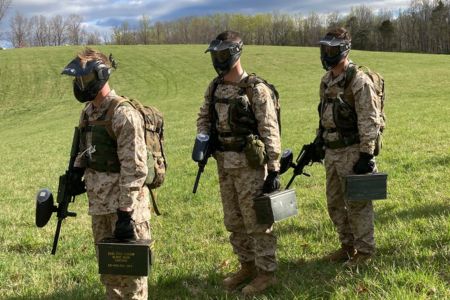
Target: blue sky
[102, 15]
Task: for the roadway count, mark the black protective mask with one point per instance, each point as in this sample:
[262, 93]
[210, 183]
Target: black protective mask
[224, 55]
[89, 93]
[332, 51]
[89, 78]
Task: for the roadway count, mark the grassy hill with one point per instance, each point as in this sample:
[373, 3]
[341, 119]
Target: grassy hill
[37, 116]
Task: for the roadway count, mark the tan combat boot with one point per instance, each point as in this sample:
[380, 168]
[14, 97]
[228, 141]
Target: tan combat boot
[343, 254]
[247, 272]
[260, 283]
[359, 259]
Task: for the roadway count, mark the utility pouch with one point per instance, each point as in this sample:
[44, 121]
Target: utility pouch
[275, 206]
[344, 115]
[255, 151]
[366, 187]
[132, 258]
[151, 169]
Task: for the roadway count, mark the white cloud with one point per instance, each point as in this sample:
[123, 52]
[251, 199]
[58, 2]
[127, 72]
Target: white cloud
[104, 12]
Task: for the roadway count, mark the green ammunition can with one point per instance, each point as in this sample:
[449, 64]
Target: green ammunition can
[366, 187]
[132, 258]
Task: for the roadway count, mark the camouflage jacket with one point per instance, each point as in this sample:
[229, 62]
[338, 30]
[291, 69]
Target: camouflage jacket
[109, 191]
[265, 114]
[361, 95]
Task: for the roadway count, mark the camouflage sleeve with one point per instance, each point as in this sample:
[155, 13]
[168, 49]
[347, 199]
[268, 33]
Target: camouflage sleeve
[366, 109]
[266, 116]
[319, 106]
[128, 125]
[203, 121]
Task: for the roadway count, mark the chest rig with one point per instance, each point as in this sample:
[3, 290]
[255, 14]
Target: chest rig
[98, 146]
[342, 101]
[240, 118]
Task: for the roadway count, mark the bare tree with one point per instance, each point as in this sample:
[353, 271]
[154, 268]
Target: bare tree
[40, 31]
[144, 31]
[159, 33]
[4, 5]
[74, 29]
[93, 38]
[20, 30]
[57, 29]
[106, 38]
[124, 35]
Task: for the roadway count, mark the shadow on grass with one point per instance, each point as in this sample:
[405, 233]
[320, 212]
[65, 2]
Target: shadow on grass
[82, 292]
[310, 279]
[409, 213]
[438, 161]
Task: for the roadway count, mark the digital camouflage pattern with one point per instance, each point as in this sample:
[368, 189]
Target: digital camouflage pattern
[239, 183]
[250, 241]
[353, 220]
[120, 287]
[361, 95]
[265, 114]
[109, 191]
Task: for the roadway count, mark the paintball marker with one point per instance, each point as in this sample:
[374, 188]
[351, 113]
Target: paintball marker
[200, 154]
[309, 154]
[70, 185]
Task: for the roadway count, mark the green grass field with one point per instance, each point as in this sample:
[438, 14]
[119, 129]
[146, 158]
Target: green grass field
[37, 116]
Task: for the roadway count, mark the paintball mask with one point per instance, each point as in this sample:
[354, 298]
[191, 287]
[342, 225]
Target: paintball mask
[333, 50]
[224, 54]
[90, 77]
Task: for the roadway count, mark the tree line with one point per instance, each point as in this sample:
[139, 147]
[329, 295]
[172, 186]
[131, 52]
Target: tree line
[422, 27]
[54, 31]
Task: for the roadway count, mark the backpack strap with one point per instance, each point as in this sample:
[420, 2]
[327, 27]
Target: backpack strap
[107, 122]
[105, 119]
[84, 118]
[212, 102]
[350, 74]
[250, 82]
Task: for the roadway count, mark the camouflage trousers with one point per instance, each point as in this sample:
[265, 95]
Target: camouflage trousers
[250, 241]
[353, 219]
[120, 287]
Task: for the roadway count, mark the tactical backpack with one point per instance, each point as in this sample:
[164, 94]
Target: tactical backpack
[154, 140]
[378, 83]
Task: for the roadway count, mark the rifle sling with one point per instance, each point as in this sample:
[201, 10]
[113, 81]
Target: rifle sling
[155, 206]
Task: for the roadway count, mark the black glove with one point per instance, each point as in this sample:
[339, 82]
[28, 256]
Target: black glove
[272, 182]
[76, 182]
[124, 226]
[365, 164]
[318, 152]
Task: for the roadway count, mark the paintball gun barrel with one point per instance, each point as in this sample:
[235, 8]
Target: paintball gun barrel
[67, 190]
[200, 154]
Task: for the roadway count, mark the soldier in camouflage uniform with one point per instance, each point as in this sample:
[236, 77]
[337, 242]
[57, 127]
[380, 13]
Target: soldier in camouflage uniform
[253, 243]
[350, 123]
[113, 157]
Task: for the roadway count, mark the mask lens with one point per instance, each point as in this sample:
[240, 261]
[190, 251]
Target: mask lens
[83, 81]
[221, 56]
[215, 43]
[329, 51]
